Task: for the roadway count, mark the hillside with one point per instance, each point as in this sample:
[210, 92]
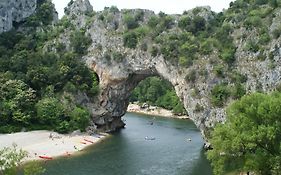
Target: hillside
[210, 58]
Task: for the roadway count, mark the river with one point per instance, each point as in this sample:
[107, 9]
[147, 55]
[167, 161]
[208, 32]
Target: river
[129, 153]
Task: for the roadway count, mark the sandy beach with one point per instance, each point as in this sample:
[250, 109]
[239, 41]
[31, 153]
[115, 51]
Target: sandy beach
[39, 143]
[153, 110]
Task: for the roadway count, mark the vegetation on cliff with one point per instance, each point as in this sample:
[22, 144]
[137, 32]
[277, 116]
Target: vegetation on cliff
[38, 84]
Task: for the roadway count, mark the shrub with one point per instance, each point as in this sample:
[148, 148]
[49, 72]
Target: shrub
[117, 56]
[198, 108]
[80, 118]
[219, 95]
[153, 21]
[154, 51]
[276, 32]
[80, 42]
[130, 39]
[49, 111]
[238, 91]
[130, 22]
[228, 55]
[219, 70]
[191, 76]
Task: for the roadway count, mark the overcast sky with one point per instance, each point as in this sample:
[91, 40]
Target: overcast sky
[167, 6]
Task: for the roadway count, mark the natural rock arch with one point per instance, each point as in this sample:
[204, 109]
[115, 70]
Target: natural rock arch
[120, 68]
[118, 79]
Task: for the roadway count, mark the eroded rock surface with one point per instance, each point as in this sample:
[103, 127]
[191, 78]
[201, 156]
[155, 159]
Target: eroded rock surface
[12, 11]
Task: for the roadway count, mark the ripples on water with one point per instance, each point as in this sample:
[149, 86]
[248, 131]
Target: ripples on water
[128, 153]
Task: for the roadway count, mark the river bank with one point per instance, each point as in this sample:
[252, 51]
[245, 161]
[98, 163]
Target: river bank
[153, 110]
[43, 144]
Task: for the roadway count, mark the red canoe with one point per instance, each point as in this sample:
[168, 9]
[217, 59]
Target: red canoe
[88, 141]
[46, 157]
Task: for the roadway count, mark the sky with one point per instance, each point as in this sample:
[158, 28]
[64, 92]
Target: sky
[167, 6]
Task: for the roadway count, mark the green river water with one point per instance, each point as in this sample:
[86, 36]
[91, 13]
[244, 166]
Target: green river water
[129, 153]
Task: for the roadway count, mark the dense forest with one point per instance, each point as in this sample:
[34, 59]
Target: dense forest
[38, 84]
[158, 92]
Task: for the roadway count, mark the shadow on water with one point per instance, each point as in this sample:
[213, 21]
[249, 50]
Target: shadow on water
[129, 153]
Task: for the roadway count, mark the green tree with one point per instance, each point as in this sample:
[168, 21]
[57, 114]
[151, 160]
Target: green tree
[80, 42]
[250, 139]
[80, 118]
[12, 157]
[17, 102]
[49, 110]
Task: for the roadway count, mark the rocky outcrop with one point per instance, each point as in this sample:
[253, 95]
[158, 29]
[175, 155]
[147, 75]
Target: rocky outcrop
[119, 76]
[120, 69]
[12, 11]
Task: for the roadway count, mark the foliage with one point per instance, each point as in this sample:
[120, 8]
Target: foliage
[249, 141]
[43, 16]
[219, 94]
[12, 157]
[17, 101]
[130, 39]
[34, 76]
[79, 42]
[130, 22]
[49, 111]
[193, 25]
[156, 91]
[80, 118]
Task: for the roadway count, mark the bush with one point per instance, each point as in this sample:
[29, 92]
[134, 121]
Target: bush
[238, 91]
[80, 118]
[154, 51]
[153, 21]
[191, 76]
[219, 70]
[276, 32]
[117, 56]
[219, 95]
[49, 111]
[198, 108]
[130, 39]
[79, 42]
[228, 55]
[130, 22]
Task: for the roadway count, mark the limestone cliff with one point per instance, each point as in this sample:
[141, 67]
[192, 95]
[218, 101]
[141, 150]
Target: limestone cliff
[15, 11]
[120, 68]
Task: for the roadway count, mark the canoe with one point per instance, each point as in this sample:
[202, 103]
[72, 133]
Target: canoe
[46, 157]
[88, 141]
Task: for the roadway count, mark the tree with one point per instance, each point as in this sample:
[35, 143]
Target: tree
[80, 118]
[12, 157]
[17, 102]
[130, 39]
[80, 42]
[250, 139]
[49, 110]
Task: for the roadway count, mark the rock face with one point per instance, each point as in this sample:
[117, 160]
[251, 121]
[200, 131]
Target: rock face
[120, 69]
[15, 11]
[119, 76]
